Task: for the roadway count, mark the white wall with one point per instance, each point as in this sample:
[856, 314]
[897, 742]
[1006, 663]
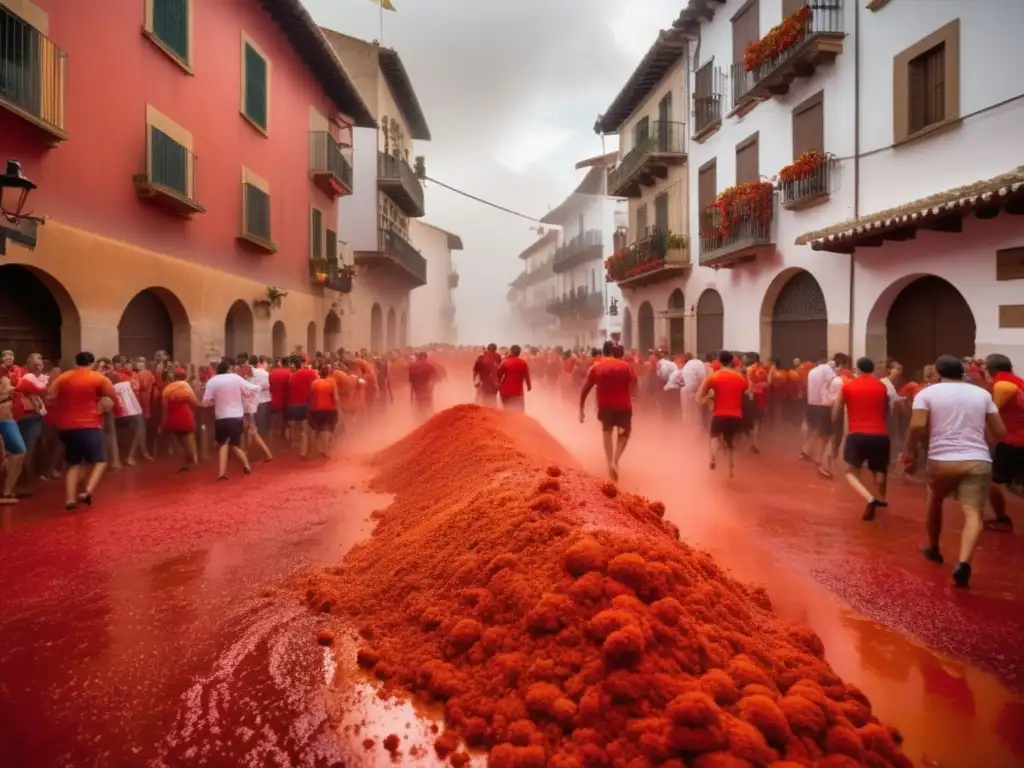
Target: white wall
[357, 213]
[427, 303]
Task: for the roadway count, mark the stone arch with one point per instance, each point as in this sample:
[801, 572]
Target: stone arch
[279, 340]
[376, 328]
[332, 333]
[238, 330]
[403, 330]
[710, 322]
[627, 328]
[645, 327]
[155, 319]
[311, 340]
[794, 318]
[676, 325]
[392, 330]
[37, 314]
[916, 319]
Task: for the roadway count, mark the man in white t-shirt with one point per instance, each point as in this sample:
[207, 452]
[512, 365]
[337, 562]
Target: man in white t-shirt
[688, 380]
[819, 416]
[954, 416]
[226, 391]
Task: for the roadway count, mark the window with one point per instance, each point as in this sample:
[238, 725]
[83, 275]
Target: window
[641, 222]
[168, 24]
[19, 62]
[746, 28]
[747, 161]
[316, 234]
[641, 131]
[809, 126]
[255, 85]
[332, 247]
[789, 7]
[168, 162]
[707, 104]
[926, 84]
[257, 212]
[707, 184]
[661, 212]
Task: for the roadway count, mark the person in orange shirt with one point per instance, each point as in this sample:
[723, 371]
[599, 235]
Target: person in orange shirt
[82, 396]
[616, 385]
[725, 389]
[1008, 453]
[324, 410]
[866, 402]
[178, 404]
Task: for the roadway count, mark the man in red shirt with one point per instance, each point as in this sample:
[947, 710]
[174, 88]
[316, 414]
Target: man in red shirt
[279, 377]
[866, 401]
[725, 388]
[300, 389]
[485, 375]
[1008, 453]
[616, 384]
[513, 373]
[422, 376]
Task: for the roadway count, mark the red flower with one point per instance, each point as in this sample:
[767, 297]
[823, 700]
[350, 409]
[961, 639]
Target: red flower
[804, 166]
[778, 40]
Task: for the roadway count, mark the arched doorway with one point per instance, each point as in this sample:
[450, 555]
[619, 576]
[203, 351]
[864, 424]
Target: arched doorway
[645, 327]
[676, 312]
[238, 330]
[154, 320]
[37, 315]
[928, 318]
[332, 333]
[392, 331]
[799, 321]
[627, 328]
[710, 322]
[279, 338]
[311, 344]
[403, 331]
[376, 328]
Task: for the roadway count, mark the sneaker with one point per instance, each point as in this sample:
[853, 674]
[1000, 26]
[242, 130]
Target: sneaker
[962, 575]
[932, 554]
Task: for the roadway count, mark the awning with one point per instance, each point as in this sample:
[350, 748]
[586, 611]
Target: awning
[942, 212]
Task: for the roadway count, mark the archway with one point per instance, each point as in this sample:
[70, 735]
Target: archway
[627, 328]
[798, 319]
[311, 344]
[392, 331]
[645, 327]
[332, 333]
[279, 336]
[155, 319]
[238, 337]
[710, 322]
[928, 317]
[676, 312]
[376, 328]
[403, 331]
[37, 314]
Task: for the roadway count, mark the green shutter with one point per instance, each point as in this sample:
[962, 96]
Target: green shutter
[257, 212]
[170, 25]
[255, 87]
[169, 163]
[316, 226]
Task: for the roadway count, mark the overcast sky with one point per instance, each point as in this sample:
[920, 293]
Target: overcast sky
[510, 90]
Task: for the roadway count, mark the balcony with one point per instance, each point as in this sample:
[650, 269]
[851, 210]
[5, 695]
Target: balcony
[533, 315]
[708, 101]
[453, 280]
[663, 147]
[330, 169]
[580, 305]
[805, 40]
[657, 256]
[396, 254]
[169, 180]
[398, 181]
[582, 248]
[806, 182]
[33, 76]
[339, 278]
[737, 228]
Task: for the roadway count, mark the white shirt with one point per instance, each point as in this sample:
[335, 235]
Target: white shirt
[666, 368]
[817, 384]
[832, 390]
[126, 397]
[956, 418]
[693, 374]
[261, 378]
[890, 390]
[225, 392]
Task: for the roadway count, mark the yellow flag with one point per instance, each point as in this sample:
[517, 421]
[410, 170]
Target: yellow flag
[385, 4]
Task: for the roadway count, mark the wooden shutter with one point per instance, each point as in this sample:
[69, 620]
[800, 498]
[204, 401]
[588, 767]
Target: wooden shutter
[707, 185]
[702, 87]
[170, 25]
[746, 27]
[809, 126]
[641, 222]
[789, 7]
[316, 234]
[255, 86]
[935, 77]
[641, 131]
[661, 212]
[257, 212]
[747, 161]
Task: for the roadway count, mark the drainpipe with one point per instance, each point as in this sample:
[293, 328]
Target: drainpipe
[856, 162]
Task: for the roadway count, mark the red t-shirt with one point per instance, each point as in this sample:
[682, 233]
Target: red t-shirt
[729, 387]
[421, 379]
[279, 378]
[300, 386]
[513, 373]
[323, 393]
[77, 395]
[614, 380]
[866, 398]
[486, 369]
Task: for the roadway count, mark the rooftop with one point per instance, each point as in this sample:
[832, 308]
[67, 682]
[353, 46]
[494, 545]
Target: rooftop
[405, 97]
[591, 185]
[454, 241]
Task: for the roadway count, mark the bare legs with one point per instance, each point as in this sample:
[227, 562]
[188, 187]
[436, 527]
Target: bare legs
[74, 477]
[222, 459]
[873, 500]
[15, 462]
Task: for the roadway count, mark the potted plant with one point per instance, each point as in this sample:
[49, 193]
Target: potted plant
[420, 168]
[274, 295]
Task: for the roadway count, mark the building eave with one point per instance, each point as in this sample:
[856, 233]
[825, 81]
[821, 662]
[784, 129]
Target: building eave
[547, 238]
[398, 81]
[454, 241]
[607, 161]
[312, 47]
[591, 185]
[941, 212]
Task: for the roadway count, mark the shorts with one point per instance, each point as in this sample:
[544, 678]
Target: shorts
[750, 414]
[83, 446]
[616, 418]
[513, 403]
[228, 431]
[262, 419]
[11, 435]
[727, 428]
[296, 412]
[323, 421]
[819, 419]
[1007, 464]
[966, 481]
[31, 427]
[128, 422]
[872, 450]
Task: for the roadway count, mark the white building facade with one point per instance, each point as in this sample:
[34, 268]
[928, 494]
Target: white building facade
[432, 307]
[531, 294]
[899, 233]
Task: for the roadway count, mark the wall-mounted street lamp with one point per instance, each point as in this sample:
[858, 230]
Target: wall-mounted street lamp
[14, 224]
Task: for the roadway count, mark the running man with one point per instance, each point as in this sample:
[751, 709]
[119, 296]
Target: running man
[485, 376]
[725, 390]
[1008, 453]
[226, 390]
[422, 377]
[513, 374]
[616, 384]
[866, 401]
[324, 410]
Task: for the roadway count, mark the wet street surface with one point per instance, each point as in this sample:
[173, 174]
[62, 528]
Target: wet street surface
[161, 626]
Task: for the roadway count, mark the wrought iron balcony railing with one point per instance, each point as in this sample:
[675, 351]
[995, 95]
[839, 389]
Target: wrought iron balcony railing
[33, 75]
[579, 249]
[328, 165]
[396, 179]
[663, 138]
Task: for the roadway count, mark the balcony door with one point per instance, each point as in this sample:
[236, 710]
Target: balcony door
[664, 120]
[661, 213]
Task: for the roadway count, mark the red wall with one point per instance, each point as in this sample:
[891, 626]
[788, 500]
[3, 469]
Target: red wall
[114, 71]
